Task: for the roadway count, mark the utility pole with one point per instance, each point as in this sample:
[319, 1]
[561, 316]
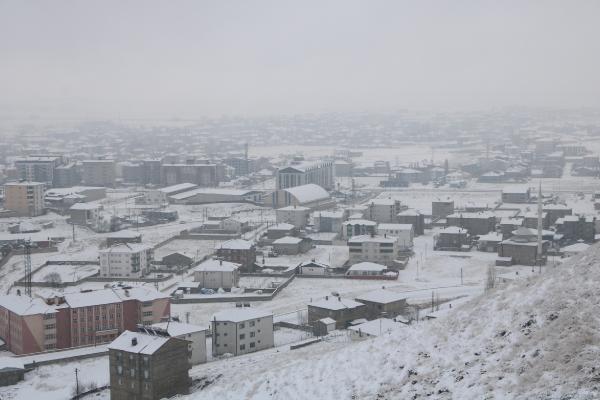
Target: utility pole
[27, 262]
[539, 228]
[76, 383]
[432, 301]
[461, 276]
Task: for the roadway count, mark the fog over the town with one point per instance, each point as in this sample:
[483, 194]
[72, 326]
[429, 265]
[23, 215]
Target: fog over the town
[146, 59]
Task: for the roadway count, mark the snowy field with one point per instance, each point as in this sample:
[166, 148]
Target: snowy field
[65, 273]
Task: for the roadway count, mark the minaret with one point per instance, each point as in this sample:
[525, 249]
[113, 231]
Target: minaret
[539, 226]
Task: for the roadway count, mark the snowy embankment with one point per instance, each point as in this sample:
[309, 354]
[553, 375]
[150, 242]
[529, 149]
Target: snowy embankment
[535, 339]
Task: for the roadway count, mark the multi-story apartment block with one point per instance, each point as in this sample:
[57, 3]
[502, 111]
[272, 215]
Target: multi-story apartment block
[238, 251]
[377, 249]
[77, 319]
[303, 173]
[383, 210]
[131, 260]
[99, 173]
[198, 174]
[24, 198]
[241, 330]
[151, 171]
[38, 168]
[148, 366]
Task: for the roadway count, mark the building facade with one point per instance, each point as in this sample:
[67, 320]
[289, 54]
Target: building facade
[148, 367]
[377, 249]
[99, 173]
[26, 199]
[305, 172]
[129, 260]
[241, 330]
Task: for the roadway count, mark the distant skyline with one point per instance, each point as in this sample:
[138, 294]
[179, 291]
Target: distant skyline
[190, 59]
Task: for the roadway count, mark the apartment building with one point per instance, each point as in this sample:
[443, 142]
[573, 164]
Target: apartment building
[295, 215]
[241, 330]
[305, 172]
[77, 319]
[38, 168]
[238, 251]
[26, 199]
[148, 366]
[377, 249]
[197, 174]
[131, 260]
[217, 274]
[383, 210]
[99, 173]
[404, 232]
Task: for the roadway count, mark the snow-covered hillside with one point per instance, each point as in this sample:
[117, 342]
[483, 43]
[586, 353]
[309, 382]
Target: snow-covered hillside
[535, 339]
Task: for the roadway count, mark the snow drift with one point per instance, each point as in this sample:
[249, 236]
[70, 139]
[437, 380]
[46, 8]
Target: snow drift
[534, 339]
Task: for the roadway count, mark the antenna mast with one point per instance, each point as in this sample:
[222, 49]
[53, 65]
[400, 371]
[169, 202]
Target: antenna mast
[539, 226]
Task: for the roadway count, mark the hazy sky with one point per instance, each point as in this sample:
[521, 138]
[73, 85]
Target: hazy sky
[194, 58]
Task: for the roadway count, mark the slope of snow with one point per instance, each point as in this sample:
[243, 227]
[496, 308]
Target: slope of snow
[537, 338]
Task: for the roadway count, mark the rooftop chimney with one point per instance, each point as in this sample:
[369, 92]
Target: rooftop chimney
[134, 341]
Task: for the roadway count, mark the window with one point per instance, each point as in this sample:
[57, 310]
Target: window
[242, 325]
[50, 326]
[252, 323]
[242, 336]
[252, 345]
[242, 347]
[147, 313]
[252, 334]
[132, 372]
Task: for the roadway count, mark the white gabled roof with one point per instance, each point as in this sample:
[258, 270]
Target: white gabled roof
[336, 303]
[453, 229]
[235, 244]
[125, 248]
[178, 188]
[174, 328]
[24, 305]
[374, 239]
[382, 296]
[288, 240]
[367, 266]
[216, 265]
[85, 206]
[282, 226]
[308, 193]
[240, 314]
[366, 222]
[377, 326]
[145, 344]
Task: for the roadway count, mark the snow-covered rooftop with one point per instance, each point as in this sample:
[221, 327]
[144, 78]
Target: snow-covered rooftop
[174, 328]
[240, 314]
[367, 266]
[288, 240]
[235, 244]
[373, 239]
[135, 342]
[383, 296]
[335, 303]
[308, 193]
[216, 265]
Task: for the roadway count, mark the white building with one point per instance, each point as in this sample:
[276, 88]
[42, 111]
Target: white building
[241, 330]
[305, 172]
[383, 210]
[295, 215]
[404, 232]
[215, 274]
[161, 196]
[126, 260]
[366, 269]
[377, 249]
[311, 196]
[194, 334]
[330, 221]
